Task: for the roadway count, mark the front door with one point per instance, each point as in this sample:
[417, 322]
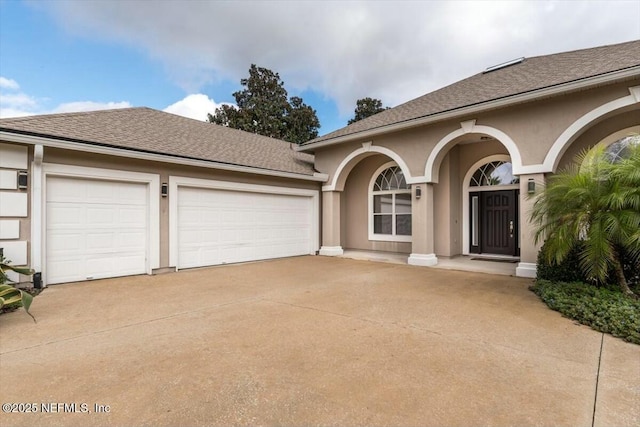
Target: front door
[494, 222]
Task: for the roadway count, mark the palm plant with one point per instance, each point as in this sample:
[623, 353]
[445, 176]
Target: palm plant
[596, 202]
[10, 294]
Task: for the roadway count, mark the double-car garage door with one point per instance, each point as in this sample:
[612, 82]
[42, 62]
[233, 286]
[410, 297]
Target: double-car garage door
[98, 228]
[222, 226]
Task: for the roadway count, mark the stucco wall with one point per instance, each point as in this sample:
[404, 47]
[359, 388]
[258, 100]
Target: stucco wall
[16, 205]
[533, 126]
[355, 209]
[597, 133]
[164, 170]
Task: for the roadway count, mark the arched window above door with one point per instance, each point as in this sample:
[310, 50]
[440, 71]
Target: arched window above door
[494, 174]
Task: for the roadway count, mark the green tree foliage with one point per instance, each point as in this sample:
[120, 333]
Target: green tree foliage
[263, 107]
[366, 107]
[593, 204]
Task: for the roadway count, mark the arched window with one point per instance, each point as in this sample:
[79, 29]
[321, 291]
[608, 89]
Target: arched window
[391, 205]
[620, 149]
[494, 173]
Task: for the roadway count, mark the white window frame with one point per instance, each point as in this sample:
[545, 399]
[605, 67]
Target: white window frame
[385, 237]
[467, 188]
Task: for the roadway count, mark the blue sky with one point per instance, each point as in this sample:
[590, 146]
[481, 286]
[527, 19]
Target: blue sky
[188, 57]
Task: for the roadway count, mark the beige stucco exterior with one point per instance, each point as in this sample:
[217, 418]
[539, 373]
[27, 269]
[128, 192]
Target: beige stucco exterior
[71, 158]
[536, 136]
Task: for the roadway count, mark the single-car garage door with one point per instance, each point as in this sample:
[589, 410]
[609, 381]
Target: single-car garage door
[224, 226]
[95, 229]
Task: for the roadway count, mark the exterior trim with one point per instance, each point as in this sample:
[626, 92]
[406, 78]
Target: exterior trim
[433, 162]
[38, 226]
[331, 251]
[424, 260]
[466, 221]
[123, 152]
[347, 164]
[382, 237]
[153, 190]
[180, 181]
[568, 136]
[526, 269]
[479, 108]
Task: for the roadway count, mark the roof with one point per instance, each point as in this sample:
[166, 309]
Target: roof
[151, 131]
[529, 75]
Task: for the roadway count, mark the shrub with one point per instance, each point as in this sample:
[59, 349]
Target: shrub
[603, 309]
[566, 271]
[569, 269]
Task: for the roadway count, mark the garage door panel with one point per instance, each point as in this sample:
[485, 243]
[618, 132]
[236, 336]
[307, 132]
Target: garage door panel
[95, 229]
[220, 226]
[60, 215]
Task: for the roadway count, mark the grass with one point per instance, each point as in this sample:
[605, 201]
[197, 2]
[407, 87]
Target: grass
[603, 309]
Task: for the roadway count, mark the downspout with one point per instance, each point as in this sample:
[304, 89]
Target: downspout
[36, 215]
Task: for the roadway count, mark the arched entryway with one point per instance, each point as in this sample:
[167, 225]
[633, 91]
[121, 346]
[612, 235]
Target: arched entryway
[491, 219]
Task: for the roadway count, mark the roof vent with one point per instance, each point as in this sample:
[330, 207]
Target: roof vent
[503, 65]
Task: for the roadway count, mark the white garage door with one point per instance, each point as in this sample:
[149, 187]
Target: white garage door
[95, 229]
[221, 226]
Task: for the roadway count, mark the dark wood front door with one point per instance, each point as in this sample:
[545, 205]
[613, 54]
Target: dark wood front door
[494, 222]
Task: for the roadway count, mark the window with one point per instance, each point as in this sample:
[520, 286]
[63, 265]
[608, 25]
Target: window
[494, 173]
[617, 147]
[620, 149]
[391, 206]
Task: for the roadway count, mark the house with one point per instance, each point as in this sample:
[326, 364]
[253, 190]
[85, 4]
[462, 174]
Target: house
[132, 191]
[449, 173]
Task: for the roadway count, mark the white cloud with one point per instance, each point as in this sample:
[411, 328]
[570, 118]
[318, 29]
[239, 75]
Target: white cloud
[18, 100]
[79, 106]
[10, 84]
[394, 51]
[195, 106]
[21, 104]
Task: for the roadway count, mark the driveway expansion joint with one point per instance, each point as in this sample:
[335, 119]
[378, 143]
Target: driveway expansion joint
[595, 397]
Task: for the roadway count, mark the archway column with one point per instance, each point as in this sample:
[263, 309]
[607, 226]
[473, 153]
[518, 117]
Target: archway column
[528, 248]
[331, 224]
[422, 226]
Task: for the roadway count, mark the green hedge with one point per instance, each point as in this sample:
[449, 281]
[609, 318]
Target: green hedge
[569, 270]
[602, 309]
[566, 271]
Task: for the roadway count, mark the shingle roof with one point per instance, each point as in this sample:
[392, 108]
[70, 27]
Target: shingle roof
[529, 75]
[147, 130]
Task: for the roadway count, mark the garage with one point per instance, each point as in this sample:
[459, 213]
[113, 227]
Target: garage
[228, 223]
[95, 229]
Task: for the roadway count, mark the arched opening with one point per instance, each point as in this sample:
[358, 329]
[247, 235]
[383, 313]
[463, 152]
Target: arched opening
[389, 205]
[619, 143]
[491, 220]
[375, 206]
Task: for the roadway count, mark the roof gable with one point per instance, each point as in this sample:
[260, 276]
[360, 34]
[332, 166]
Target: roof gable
[522, 77]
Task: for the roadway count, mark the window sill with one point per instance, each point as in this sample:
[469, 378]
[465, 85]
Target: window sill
[388, 238]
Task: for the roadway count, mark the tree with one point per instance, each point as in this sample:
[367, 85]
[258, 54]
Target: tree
[262, 107]
[302, 122]
[596, 202]
[366, 107]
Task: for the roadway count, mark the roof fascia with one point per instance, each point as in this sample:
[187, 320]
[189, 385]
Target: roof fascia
[132, 154]
[478, 108]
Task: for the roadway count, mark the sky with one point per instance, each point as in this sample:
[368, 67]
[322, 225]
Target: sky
[187, 57]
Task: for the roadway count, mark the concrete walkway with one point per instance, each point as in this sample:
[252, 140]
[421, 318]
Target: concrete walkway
[311, 341]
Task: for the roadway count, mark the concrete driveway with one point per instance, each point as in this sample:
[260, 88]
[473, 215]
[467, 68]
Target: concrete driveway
[311, 341]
